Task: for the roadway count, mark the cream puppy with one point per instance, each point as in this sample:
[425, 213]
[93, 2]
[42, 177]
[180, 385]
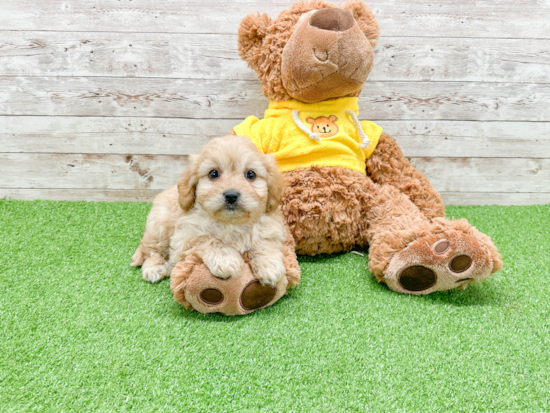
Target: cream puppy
[225, 204]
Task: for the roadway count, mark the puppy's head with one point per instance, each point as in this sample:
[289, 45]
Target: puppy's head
[232, 181]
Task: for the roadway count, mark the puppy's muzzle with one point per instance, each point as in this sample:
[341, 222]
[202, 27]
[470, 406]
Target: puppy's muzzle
[231, 199]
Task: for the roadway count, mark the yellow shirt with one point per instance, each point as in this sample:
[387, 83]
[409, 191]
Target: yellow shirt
[331, 122]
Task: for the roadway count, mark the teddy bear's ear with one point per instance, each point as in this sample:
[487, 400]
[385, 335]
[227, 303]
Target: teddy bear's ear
[252, 30]
[365, 18]
[310, 120]
[332, 118]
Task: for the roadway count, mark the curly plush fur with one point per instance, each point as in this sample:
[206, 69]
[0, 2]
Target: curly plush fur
[393, 209]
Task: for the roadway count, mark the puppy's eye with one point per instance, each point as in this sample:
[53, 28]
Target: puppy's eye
[250, 175]
[214, 174]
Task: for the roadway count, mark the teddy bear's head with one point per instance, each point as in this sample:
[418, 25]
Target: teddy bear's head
[311, 52]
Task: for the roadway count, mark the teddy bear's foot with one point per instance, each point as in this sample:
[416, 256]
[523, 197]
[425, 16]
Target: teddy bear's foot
[195, 287]
[442, 261]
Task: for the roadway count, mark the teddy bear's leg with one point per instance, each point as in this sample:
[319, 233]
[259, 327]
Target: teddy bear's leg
[415, 256]
[387, 165]
[194, 287]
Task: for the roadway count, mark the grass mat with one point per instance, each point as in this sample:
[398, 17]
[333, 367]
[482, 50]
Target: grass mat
[81, 331]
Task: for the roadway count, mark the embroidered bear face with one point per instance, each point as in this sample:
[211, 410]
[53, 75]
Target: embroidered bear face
[323, 126]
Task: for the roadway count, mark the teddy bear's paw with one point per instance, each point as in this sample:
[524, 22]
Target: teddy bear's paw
[235, 295]
[155, 272]
[443, 261]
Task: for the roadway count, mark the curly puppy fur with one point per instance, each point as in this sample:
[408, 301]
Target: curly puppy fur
[198, 217]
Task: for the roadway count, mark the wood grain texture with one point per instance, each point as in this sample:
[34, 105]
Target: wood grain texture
[92, 171]
[166, 136]
[216, 99]
[495, 198]
[486, 174]
[99, 135]
[90, 195]
[104, 100]
[88, 171]
[206, 56]
[147, 195]
[465, 18]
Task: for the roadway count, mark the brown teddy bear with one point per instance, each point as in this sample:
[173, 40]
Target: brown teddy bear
[347, 184]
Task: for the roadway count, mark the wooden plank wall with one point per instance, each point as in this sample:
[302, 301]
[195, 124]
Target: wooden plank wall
[103, 99]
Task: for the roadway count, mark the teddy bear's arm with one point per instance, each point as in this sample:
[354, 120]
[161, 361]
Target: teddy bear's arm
[387, 165]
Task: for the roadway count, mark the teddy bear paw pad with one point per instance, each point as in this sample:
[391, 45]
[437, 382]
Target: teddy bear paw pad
[211, 296]
[255, 295]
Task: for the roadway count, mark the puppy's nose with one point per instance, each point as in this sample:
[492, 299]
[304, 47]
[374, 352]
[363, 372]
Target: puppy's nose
[335, 19]
[231, 196]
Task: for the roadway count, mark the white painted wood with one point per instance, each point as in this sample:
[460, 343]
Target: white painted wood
[217, 99]
[486, 174]
[103, 100]
[171, 136]
[101, 135]
[88, 171]
[147, 195]
[495, 198]
[206, 56]
[92, 195]
[457, 139]
[464, 18]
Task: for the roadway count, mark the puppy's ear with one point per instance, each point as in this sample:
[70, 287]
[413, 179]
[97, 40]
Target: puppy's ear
[187, 184]
[252, 30]
[365, 18]
[275, 183]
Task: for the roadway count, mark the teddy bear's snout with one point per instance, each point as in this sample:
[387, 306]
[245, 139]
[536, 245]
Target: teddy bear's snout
[334, 19]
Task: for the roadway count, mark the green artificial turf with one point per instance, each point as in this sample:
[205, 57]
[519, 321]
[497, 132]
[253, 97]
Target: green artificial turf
[80, 330]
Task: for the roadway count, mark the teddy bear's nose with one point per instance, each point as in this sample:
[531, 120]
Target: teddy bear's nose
[335, 19]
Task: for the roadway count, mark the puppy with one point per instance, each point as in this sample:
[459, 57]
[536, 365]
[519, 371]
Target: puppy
[225, 204]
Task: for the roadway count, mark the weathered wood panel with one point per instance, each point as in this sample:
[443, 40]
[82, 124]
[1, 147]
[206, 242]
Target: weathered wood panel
[103, 100]
[89, 171]
[172, 136]
[465, 18]
[495, 198]
[205, 56]
[98, 135]
[217, 99]
[147, 195]
[486, 174]
[72, 194]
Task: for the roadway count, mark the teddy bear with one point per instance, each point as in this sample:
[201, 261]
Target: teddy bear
[347, 183]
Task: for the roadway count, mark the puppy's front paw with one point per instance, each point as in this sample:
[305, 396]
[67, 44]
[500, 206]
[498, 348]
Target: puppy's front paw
[225, 265]
[155, 273]
[268, 271]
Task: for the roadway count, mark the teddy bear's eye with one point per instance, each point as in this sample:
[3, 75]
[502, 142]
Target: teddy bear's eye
[250, 175]
[214, 174]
